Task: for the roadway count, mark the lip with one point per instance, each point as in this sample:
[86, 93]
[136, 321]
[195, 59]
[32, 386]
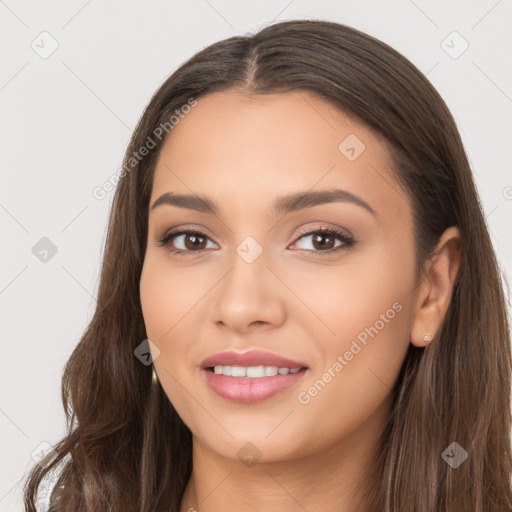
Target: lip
[250, 390]
[247, 390]
[250, 358]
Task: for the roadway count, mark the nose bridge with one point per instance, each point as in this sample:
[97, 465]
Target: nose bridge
[248, 268]
[247, 294]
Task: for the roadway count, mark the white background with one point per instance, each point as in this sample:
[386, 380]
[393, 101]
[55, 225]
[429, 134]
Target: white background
[66, 121]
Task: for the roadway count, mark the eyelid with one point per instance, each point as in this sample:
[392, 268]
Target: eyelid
[180, 230]
[312, 230]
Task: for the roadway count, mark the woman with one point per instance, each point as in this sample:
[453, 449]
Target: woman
[299, 307]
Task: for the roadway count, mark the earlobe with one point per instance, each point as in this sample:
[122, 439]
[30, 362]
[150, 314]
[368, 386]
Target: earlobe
[436, 289]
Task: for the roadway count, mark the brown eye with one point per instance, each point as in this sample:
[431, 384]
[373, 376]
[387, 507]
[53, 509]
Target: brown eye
[325, 240]
[193, 241]
[182, 242]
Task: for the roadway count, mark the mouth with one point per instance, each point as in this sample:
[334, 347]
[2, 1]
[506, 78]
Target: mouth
[263, 375]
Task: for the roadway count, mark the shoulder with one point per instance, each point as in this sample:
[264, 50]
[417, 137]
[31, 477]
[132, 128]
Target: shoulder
[47, 485]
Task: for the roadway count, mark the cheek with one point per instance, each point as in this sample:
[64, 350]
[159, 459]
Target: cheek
[365, 304]
[356, 378]
[353, 381]
[163, 304]
[166, 296]
[172, 300]
[363, 292]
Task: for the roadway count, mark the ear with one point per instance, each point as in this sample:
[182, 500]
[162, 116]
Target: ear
[435, 291]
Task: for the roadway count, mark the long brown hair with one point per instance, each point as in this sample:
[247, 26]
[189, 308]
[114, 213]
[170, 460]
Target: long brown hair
[127, 449]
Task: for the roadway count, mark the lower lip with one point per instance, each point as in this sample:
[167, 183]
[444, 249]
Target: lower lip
[248, 390]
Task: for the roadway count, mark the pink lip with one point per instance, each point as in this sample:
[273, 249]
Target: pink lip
[251, 358]
[250, 390]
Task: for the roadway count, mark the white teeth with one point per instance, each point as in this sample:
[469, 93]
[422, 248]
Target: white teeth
[237, 371]
[255, 371]
[252, 371]
[271, 371]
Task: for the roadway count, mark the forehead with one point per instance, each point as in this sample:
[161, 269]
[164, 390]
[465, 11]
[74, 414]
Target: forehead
[246, 149]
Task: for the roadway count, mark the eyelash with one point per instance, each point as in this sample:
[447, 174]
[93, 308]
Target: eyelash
[347, 241]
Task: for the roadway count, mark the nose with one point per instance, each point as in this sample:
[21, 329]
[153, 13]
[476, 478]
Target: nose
[249, 296]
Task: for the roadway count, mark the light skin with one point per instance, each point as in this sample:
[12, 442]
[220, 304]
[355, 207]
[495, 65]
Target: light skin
[244, 153]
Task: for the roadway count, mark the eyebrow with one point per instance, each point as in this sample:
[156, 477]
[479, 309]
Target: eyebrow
[282, 205]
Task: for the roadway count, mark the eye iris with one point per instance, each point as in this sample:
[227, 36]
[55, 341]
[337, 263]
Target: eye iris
[194, 244]
[318, 236]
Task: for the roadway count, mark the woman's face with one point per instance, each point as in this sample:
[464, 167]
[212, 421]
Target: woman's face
[260, 276]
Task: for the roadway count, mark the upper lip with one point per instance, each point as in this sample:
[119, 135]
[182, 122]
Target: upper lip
[250, 358]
